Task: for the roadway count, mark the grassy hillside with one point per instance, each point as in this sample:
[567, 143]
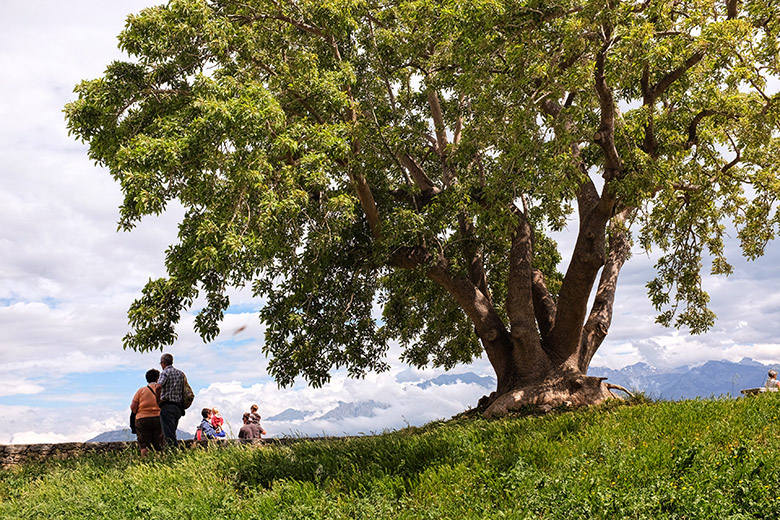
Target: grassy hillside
[693, 459]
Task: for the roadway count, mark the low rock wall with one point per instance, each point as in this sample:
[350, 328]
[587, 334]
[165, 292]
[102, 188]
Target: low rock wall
[15, 454]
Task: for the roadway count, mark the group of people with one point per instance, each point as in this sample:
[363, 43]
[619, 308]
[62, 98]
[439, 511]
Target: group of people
[211, 427]
[159, 405]
[251, 428]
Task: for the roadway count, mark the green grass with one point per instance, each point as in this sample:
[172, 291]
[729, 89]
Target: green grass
[693, 459]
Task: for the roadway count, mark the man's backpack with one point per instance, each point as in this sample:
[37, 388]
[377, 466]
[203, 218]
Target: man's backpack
[198, 434]
[189, 395]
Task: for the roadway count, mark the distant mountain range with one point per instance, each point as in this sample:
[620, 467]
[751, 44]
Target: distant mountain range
[342, 411]
[467, 378]
[712, 379]
[289, 414]
[358, 409]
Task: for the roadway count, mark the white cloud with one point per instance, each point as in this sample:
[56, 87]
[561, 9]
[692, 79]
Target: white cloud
[18, 386]
[73, 362]
[30, 424]
[31, 437]
[407, 403]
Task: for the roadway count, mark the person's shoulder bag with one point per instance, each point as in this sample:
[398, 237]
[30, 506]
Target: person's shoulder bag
[132, 414]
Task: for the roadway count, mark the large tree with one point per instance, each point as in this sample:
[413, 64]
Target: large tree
[415, 155]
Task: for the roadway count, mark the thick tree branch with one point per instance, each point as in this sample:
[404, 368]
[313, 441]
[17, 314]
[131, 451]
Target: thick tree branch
[477, 306]
[438, 121]
[588, 257]
[473, 256]
[587, 195]
[367, 202]
[664, 83]
[693, 127]
[550, 107]
[421, 180]
[732, 9]
[441, 143]
[544, 304]
[600, 318]
[651, 93]
[605, 136]
[409, 257]
[487, 323]
[520, 304]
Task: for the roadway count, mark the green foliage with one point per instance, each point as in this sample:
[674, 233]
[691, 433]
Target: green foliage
[410, 300]
[692, 459]
[265, 119]
[319, 311]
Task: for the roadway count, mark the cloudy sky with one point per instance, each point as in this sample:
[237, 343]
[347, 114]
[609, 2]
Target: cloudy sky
[67, 276]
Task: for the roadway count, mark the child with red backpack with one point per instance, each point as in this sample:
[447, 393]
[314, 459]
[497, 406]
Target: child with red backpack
[205, 430]
[217, 421]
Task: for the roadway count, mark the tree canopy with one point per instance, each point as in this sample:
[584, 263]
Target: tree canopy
[414, 155]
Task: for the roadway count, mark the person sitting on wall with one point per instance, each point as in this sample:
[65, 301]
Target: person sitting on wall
[205, 430]
[217, 421]
[247, 431]
[258, 430]
[772, 384]
[254, 417]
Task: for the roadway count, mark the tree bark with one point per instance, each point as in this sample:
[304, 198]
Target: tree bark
[528, 355]
[544, 305]
[595, 329]
[587, 259]
[487, 323]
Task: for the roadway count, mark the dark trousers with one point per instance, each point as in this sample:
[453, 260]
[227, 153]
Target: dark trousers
[170, 413]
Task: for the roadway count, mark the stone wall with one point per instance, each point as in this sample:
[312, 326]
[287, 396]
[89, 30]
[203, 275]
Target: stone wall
[14, 454]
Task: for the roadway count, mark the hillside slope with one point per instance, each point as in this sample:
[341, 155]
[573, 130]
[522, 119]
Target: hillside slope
[688, 459]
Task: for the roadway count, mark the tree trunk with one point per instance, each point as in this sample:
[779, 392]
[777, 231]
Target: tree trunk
[544, 385]
[551, 347]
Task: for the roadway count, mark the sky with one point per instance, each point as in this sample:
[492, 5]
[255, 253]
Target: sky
[67, 277]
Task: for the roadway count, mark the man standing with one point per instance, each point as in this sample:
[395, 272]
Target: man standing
[170, 396]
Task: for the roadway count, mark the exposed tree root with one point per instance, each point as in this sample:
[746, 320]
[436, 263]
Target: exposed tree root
[552, 393]
[611, 386]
